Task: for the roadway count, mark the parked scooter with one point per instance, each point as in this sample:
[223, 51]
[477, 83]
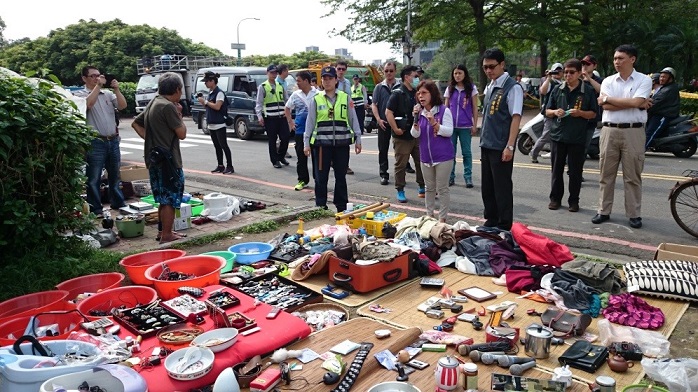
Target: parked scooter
[679, 138]
[533, 129]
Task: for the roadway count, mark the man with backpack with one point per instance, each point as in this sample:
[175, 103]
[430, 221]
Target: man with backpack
[216, 115]
[552, 79]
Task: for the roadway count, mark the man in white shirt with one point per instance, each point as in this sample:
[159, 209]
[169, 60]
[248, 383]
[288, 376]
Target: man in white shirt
[623, 135]
[299, 101]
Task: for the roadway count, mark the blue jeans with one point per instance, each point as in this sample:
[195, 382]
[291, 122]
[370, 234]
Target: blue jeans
[103, 154]
[463, 134]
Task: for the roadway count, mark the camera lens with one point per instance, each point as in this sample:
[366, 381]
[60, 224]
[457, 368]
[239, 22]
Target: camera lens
[199, 95]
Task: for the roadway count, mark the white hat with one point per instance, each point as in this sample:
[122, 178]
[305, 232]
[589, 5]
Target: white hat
[556, 67]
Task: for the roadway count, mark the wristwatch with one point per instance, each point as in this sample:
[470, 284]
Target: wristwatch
[510, 148]
[605, 98]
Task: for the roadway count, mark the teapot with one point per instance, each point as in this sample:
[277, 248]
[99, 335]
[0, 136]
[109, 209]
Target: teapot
[619, 364]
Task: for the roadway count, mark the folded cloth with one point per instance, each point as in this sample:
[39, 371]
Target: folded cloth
[316, 264]
[442, 235]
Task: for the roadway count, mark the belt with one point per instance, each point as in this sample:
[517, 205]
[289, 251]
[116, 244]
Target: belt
[110, 137]
[623, 125]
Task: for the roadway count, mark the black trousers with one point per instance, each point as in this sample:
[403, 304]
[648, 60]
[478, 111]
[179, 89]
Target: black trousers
[573, 155]
[220, 144]
[497, 189]
[361, 116]
[302, 167]
[325, 158]
[277, 127]
[383, 147]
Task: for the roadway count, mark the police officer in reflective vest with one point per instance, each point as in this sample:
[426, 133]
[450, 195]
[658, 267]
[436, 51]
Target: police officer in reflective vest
[360, 97]
[332, 126]
[270, 113]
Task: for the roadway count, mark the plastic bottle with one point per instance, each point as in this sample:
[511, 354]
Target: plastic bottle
[470, 380]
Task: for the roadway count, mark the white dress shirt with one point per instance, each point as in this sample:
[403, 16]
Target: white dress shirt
[636, 86]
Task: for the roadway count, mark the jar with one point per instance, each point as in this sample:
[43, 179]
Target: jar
[446, 373]
[604, 384]
[470, 380]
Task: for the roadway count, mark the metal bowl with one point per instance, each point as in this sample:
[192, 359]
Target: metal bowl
[394, 386]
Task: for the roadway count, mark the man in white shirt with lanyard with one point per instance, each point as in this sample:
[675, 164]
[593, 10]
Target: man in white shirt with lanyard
[623, 135]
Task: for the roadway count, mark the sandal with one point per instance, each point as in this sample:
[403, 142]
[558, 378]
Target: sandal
[182, 235]
[175, 238]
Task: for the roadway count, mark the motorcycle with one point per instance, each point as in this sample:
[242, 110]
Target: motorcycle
[533, 129]
[680, 137]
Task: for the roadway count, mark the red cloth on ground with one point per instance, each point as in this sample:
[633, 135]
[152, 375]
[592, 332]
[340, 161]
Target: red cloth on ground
[539, 249]
[279, 332]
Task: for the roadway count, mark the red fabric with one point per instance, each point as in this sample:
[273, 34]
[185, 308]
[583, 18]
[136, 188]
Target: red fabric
[519, 280]
[279, 332]
[539, 249]
[627, 309]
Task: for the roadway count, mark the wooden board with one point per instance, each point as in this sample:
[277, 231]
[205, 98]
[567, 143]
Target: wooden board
[361, 330]
[403, 305]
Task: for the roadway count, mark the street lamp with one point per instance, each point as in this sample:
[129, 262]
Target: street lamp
[239, 46]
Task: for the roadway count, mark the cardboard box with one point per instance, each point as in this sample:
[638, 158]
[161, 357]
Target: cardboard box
[667, 251]
[184, 211]
[182, 223]
[133, 172]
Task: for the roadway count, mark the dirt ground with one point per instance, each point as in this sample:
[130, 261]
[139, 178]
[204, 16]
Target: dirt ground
[683, 339]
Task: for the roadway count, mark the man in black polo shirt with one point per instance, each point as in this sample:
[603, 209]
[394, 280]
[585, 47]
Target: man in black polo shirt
[572, 105]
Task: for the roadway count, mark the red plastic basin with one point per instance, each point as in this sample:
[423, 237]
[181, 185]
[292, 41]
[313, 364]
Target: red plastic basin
[31, 304]
[91, 283]
[13, 329]
[128, 296]
[206, 271]
[135, 265]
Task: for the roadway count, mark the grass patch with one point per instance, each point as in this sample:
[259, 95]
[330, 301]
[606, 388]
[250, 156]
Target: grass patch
[261, 227]
[318, 213]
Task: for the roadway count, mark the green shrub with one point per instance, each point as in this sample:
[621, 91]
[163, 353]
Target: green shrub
[689, 103]
[42, 148]
[128, 89]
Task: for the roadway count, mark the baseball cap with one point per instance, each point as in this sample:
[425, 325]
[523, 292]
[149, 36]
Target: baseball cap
[272, 68]
[670, 71]
[419, 69]
[209, 75]
[355, 77]
[589, 59]
[556, 67]
[329, 71]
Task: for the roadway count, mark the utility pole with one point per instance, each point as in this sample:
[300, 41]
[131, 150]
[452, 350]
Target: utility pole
[238, 45]
[407, 46]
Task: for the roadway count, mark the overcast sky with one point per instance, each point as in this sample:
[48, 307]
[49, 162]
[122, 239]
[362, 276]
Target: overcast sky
[284, 27]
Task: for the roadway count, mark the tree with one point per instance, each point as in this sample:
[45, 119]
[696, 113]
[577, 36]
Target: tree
[2, 29]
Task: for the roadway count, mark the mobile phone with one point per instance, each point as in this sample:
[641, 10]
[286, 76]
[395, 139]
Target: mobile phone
[417, 364]
[109, 78]
[273, 312]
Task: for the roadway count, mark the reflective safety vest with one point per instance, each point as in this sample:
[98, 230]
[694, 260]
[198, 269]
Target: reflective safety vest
[332, 126]
[273, 99]
[357, 94]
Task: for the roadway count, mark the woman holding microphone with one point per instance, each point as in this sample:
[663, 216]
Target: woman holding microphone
[433, 126]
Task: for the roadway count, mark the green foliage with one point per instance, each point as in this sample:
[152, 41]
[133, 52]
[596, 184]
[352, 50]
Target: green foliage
[261, 227]
[689, 104]
[318, 213]
[42, 147]
[128, 89]
[113, 47]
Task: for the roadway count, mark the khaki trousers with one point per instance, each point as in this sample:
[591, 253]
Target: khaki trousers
[403, 149]
[627, 147]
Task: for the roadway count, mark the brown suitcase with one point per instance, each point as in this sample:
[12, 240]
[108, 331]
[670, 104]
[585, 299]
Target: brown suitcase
[365, 278]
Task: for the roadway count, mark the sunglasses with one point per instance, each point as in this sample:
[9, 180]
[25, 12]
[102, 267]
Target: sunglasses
[490, 66]
[570, 72]
[341, 69]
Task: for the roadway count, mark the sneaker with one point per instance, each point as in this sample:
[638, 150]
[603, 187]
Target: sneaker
[229, 170]
[384, 181]
[534, 160]
[636, 223]
[421, 193]
[300, 185]
[469, 183]
[218, 169]
[545, 155]
[401, 196]
[277, 165]
[409, 169]
[349, 171]
[288, 156]
[553, 205]
[284, 161]
[574, 207]
[452, 182]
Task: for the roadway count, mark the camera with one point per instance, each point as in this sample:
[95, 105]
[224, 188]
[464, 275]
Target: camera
[627, 350]
[199, 95]
[109, 78]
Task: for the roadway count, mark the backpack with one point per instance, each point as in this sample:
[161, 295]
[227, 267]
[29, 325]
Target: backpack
[229, 121]
[544, 99]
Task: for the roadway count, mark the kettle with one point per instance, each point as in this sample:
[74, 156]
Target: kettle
[619, 364]
[537, 342]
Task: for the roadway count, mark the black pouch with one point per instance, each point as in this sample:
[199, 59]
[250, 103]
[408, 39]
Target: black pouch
[158, 156]
[584, 356]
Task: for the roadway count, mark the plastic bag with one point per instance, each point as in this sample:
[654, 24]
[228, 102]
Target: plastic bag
[653, 344]
[447, 338]
[232, 208]
[679, 375]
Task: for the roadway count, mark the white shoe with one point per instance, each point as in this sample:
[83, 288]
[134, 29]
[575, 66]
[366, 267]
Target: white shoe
[545, 155]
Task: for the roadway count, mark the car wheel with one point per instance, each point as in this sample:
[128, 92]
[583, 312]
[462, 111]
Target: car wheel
[525, 144]
[203, 124]
[242, 130]
[689, 150]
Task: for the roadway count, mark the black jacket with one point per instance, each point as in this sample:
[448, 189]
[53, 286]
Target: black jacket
[401, 103]
[666, 102]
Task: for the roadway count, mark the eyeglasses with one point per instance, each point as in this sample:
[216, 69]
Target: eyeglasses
[94, 76]
[389, 70]
[570, 72]
[490, 66]
[341, 69]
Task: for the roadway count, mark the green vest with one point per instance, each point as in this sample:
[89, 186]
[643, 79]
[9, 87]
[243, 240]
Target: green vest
[332, 126]
[273, 99]
[357, 94]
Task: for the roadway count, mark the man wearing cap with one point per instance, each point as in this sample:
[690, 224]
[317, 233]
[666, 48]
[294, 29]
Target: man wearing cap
[344, 84]
[359, 96]
[664, 105]
[270, 112]
[381, 94]
[331, 127]
[552, 79]
[623, 96]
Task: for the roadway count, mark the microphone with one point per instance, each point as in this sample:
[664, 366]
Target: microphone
[465, 349]
[508, 360]
[518, 370]
[489, 358]
[476, 356]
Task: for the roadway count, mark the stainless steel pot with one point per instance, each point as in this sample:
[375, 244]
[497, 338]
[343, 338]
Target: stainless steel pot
[538, 339]
[394, 386]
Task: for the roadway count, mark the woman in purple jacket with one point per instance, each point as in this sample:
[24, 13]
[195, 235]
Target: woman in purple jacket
[433, 127]
[461, 98]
